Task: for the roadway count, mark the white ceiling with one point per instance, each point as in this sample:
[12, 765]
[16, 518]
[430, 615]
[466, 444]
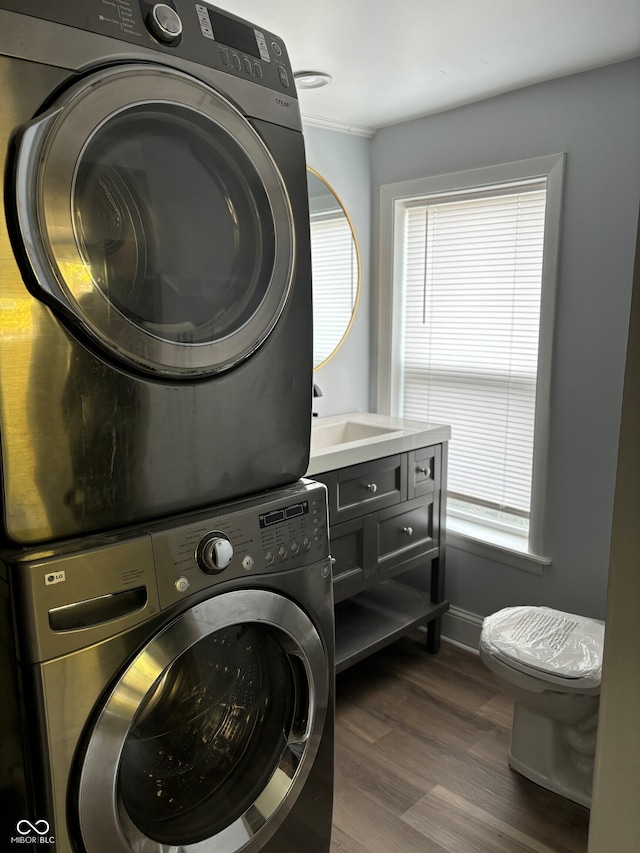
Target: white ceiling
[393, 60]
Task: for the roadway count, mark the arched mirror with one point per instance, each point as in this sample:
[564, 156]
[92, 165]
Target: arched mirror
[335, 261]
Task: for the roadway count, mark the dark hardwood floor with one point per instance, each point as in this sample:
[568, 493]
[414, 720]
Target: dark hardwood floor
[421, 762]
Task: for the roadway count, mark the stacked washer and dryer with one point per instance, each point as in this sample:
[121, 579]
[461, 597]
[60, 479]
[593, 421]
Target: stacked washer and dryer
[166, 624]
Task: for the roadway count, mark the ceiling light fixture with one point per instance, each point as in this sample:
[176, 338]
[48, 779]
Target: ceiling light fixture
[312, 79]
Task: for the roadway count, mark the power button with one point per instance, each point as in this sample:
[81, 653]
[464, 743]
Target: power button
[182, 584]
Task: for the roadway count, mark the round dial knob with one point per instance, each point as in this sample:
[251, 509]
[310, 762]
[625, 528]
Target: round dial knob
[214, 553]
[164, 22]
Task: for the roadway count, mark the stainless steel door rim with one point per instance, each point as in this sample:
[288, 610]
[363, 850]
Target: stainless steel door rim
[49, 168]
[105, 825]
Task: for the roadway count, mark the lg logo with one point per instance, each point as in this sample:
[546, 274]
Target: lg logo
[33, 833]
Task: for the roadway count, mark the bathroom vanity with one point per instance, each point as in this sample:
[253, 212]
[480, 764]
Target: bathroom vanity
[386, 482]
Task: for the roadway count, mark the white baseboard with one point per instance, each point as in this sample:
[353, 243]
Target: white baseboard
[462, 628]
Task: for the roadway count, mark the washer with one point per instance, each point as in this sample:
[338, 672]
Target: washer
[176, 685]
[155, 285]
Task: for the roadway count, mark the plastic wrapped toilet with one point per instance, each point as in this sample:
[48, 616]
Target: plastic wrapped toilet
[550, 663]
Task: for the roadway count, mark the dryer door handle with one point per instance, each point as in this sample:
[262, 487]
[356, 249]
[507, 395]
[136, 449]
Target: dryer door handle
[30, 143]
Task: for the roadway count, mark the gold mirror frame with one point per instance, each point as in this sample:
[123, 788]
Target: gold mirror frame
[356, 300]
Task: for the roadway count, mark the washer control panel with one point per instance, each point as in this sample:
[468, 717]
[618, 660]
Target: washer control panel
[73, 594]
[282, 530]
[288, 531]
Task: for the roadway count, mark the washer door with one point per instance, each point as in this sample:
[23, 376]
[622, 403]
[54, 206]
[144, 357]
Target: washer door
[207, 738]
[153, 214]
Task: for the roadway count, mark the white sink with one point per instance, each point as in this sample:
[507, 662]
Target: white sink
[348, 439]
[328, 435]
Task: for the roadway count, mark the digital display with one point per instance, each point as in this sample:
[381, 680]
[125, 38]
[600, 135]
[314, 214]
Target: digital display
[234, 34]
[278, 515]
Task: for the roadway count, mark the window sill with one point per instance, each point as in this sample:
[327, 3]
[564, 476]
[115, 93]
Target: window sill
[496, 545]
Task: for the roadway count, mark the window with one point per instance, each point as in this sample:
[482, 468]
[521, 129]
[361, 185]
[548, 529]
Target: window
[469, 335]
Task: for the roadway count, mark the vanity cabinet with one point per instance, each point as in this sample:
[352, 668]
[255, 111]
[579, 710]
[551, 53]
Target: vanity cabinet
[387, 531]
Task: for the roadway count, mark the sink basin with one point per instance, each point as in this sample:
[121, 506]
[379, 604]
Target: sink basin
[341, 440]
[331, 435]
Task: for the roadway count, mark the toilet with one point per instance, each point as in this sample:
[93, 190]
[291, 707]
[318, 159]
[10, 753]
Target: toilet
[550, 663]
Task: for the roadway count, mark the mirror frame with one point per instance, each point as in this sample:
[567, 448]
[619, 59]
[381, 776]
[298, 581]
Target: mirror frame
[358, 262]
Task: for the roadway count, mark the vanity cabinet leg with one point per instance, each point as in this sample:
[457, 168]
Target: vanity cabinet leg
[433, 635]
[434, 627]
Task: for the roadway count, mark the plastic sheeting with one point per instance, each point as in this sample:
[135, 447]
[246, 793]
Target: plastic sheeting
[548, 640]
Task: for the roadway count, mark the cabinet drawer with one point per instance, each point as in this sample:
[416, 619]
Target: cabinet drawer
[421, 473]
[405, 533]
[371, 486]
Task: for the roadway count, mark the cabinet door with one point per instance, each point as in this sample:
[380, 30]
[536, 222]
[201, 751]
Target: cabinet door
[351, 554]
[371, 486]
[405, 536]
[422, 465]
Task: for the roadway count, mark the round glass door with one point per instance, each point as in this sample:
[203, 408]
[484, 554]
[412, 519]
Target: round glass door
[207, 736]
[154, 215]
[216, 743]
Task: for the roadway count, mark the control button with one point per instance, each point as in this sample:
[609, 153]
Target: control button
[205, 23]
[226, 59]
[284, 77]
[269, 557]
[262, 46]
[235, 59]
[164, 23]
[214, 553]
[282, 552]
[275, 47]
[257, 70]
[295, 548]
[326, 570]
[247, 562]
[182, 584]
[307, 543]
[247, 65]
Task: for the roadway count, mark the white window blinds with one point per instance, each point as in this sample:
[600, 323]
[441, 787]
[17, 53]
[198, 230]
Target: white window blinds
[335, 281]
[472, 279]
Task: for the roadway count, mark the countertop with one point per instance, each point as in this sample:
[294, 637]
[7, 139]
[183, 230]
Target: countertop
[336, 441]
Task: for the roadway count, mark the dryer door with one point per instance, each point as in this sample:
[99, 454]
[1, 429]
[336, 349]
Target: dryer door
[153, 215]
[207, 738]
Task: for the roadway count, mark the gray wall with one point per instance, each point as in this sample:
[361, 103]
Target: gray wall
[344, 161]
[593, 117]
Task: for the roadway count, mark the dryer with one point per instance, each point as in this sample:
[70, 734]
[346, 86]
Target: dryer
[176, 687]
[155, 285]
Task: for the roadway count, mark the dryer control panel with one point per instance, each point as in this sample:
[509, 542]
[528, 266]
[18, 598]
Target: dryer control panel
[188, 30]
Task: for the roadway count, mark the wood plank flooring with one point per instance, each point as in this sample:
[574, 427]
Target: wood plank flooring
[421, 762]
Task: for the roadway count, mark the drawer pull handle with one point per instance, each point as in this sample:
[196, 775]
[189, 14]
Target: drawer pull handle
[408, 531]
[425, 471]
[371, 487]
